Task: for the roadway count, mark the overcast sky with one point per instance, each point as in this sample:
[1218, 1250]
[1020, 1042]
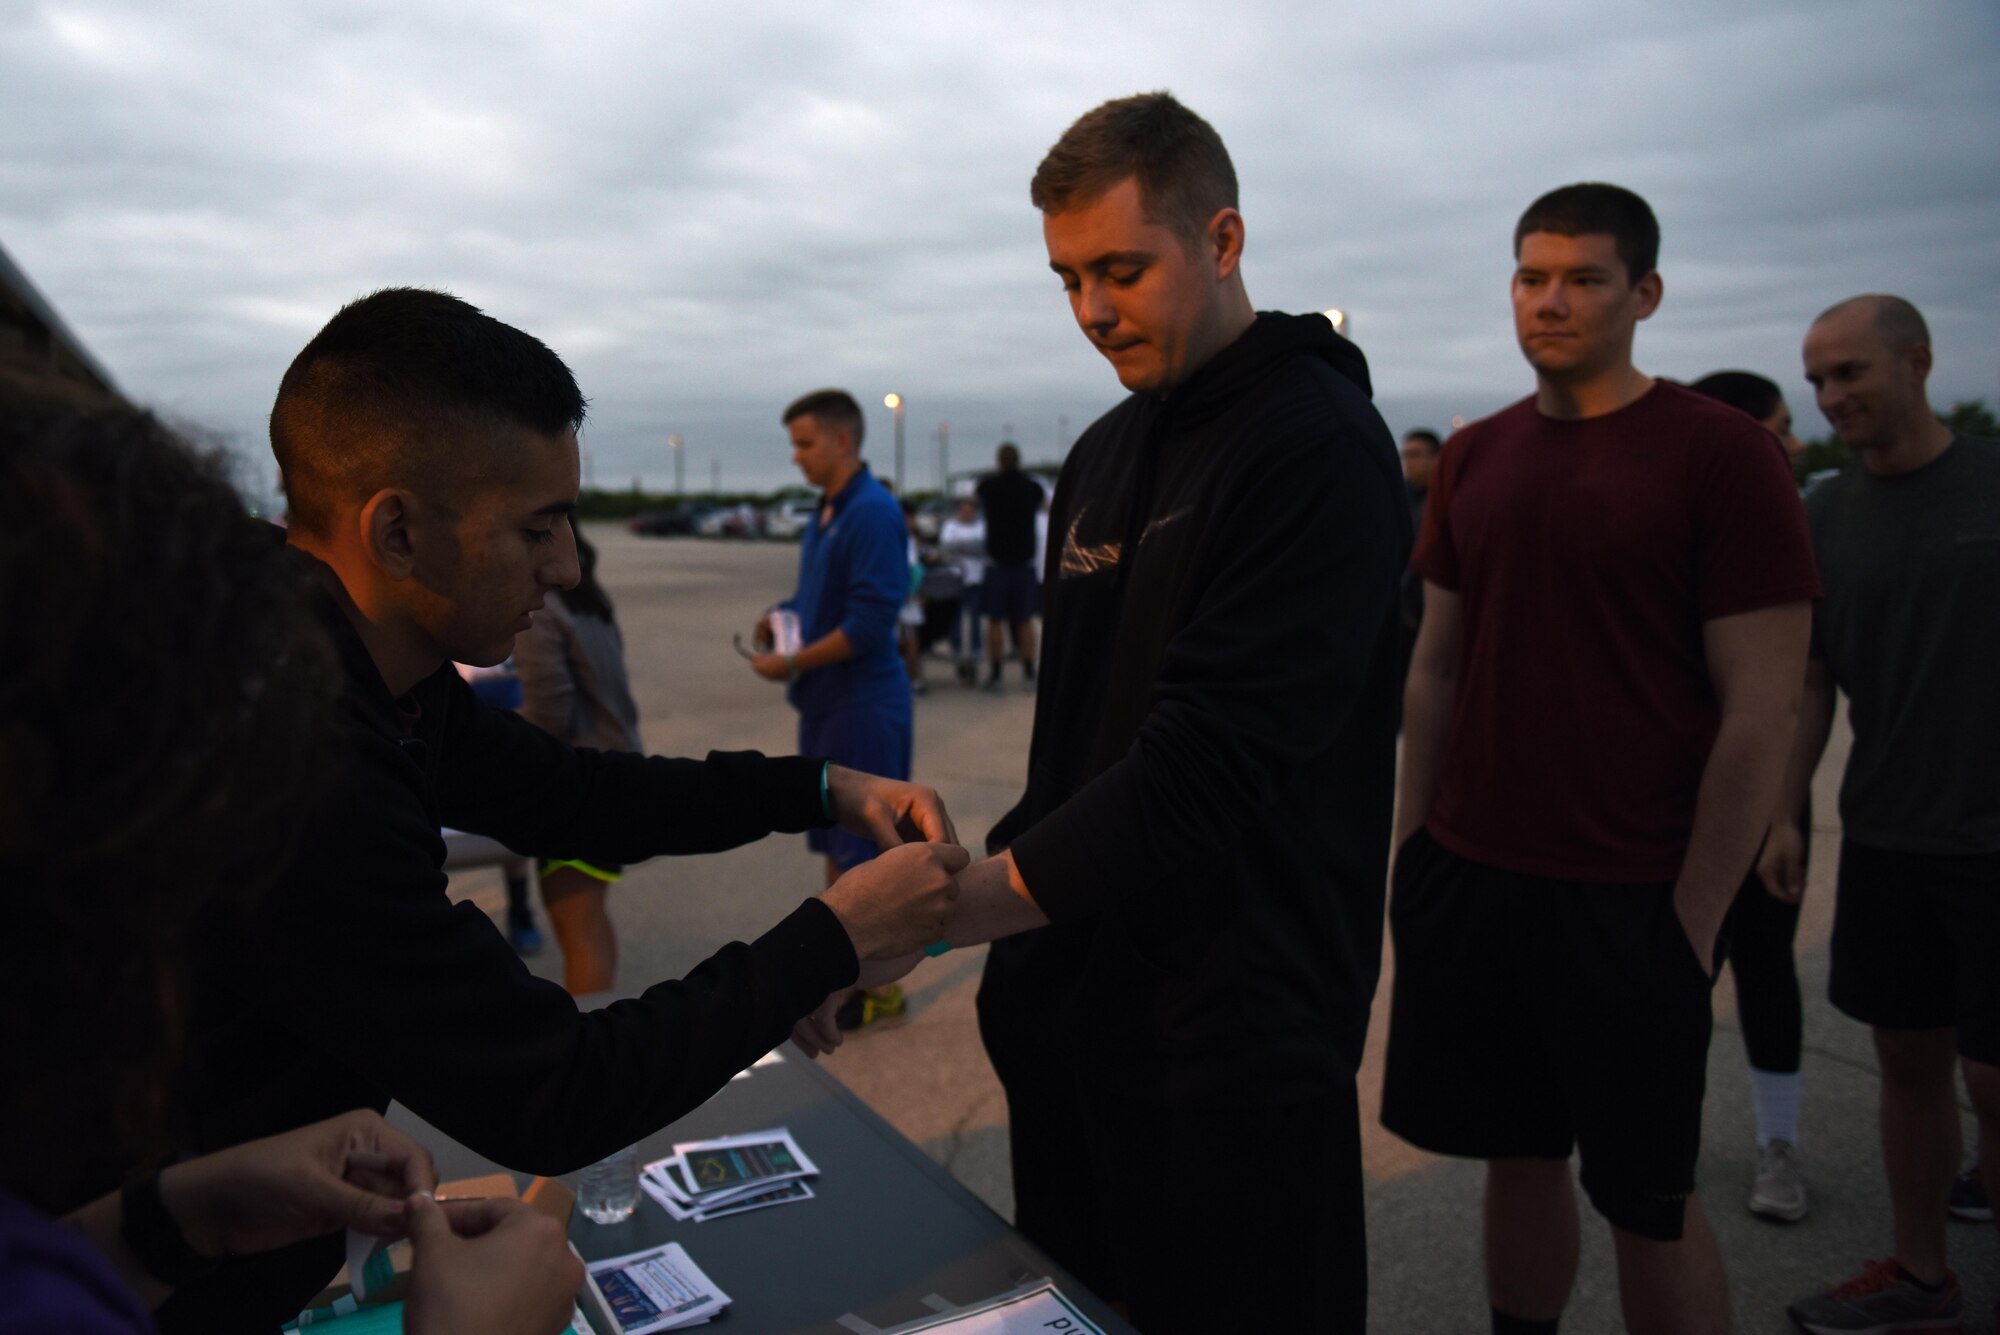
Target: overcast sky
[708, 210]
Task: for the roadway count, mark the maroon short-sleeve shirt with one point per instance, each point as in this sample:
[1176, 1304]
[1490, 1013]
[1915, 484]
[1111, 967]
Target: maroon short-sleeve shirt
[1586, 556]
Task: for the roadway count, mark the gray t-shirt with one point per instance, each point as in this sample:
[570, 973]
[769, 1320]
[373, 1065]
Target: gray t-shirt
[1910, 626]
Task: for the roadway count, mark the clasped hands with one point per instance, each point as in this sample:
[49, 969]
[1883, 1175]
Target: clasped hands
[897, 903]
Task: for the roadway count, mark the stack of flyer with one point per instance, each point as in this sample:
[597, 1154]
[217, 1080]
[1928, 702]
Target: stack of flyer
[657, 1289]
[708, 1179]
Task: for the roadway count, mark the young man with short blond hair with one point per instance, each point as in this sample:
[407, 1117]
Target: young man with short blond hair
[1205, 825]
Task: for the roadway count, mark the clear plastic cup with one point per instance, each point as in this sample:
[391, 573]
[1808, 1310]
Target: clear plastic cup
[608, 1191]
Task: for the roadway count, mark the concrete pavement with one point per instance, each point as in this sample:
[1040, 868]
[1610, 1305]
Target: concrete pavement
[680, 600]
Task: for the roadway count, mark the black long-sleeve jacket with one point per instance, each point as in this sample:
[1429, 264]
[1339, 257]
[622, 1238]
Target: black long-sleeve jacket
[1206, 820]
[358, 981]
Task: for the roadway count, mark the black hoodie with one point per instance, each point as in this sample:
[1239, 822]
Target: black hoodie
[359, 981]
[1206, 821]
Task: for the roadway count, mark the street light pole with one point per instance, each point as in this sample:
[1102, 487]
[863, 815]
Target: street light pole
[679, 476]
[944, 458]
[894, 403]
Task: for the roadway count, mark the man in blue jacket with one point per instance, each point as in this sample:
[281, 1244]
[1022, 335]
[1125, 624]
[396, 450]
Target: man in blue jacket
[844, 676]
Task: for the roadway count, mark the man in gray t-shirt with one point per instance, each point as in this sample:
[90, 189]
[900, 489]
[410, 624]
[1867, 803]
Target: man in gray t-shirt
[1909, 552]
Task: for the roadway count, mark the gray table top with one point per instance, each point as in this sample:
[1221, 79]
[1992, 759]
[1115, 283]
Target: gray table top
[886, 1230]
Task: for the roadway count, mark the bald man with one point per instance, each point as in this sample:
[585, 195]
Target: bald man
[1909, 552]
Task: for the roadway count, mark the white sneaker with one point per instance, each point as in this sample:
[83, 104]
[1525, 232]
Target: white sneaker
[1780, 1189]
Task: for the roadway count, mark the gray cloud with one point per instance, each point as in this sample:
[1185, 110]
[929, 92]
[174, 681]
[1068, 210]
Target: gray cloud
[708, 212]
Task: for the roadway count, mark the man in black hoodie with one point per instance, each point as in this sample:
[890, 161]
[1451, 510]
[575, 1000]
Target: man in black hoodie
[1204, 837]
[430, 456]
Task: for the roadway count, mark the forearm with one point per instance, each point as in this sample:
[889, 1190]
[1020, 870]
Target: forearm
[1739, 789]
[1808, 742]
[1427, 706]
[829, 649]
[993, 901]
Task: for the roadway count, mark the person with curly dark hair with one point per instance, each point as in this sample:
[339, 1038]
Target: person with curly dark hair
[163, 685]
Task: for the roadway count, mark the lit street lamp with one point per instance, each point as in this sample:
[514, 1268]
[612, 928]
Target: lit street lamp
[894, 403]
[1338, 319]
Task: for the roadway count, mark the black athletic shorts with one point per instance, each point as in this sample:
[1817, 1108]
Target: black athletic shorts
[1916, 943]
[1534, 1016]
[1008, 593]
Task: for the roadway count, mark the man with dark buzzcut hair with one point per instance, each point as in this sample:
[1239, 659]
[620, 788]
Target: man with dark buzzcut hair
[392, 388]
[1204, 833]
[433, 458]
[1617, 588]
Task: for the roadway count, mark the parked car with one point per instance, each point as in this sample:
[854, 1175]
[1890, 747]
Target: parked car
[674, 520]
[734, 521]
[788, 518]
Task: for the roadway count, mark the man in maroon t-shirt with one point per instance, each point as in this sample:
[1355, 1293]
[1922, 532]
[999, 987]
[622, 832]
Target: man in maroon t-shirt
[1617, 599]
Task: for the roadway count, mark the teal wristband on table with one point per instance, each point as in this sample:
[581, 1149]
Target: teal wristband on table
[937, 947]
[825, 798]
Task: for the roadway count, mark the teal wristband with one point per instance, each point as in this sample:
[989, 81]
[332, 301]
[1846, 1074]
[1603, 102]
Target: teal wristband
[937, 947]
[825, 798]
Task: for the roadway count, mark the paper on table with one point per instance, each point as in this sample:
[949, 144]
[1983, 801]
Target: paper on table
[1033, 1311]
[660, 1288]
[664, 1188]
[728, 1162]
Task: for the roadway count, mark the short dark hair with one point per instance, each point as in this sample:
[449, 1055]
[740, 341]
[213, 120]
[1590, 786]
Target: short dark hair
[1427, 436]
[394, 390]
[166, 696]
[1591, 208]
[1900, 324]
[1745, 391]
[1008, 456]
[1184, 173]
[832, 407]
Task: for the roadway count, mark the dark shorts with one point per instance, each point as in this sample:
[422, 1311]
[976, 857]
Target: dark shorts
[1916, 943]
[1534, 1016]
[1008, 592]
[873, 740]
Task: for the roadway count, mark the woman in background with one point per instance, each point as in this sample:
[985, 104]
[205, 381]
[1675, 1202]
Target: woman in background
[571, 662]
